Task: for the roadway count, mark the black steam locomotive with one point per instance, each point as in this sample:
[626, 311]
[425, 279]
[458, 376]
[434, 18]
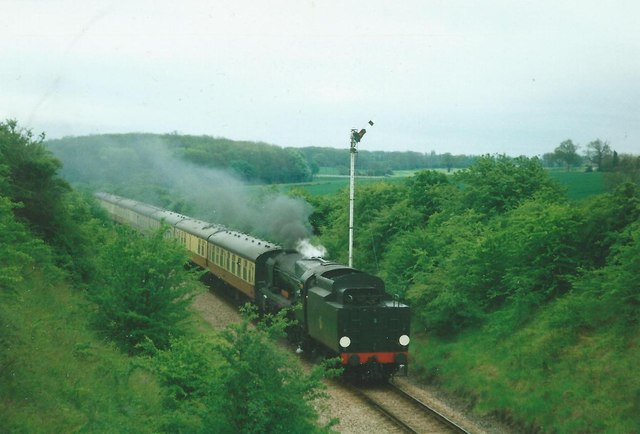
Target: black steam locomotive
[340, 311]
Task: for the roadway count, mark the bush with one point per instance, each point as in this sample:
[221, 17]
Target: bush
[265, 389]
[142, 290]
[240, 381]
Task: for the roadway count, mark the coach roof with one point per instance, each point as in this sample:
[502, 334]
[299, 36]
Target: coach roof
[242, 244]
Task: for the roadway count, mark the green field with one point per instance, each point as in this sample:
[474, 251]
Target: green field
[327, 185]
[579, 185]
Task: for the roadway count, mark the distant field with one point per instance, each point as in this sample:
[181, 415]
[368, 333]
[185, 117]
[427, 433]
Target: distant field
[323, 185]
[579, 185]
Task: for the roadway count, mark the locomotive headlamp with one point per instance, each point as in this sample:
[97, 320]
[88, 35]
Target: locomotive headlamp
[404, 340]
[345, 341]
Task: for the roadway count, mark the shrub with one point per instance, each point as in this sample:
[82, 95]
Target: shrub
[142, 290]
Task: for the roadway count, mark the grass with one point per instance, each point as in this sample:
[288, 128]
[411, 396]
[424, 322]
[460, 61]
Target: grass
[579, 184]
[543, 376]
[329, 182]
[57, 376]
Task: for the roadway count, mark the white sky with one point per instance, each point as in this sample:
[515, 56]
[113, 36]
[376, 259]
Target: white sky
[474, 77]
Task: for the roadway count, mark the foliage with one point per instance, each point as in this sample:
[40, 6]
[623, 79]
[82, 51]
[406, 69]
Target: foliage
[20, 251]
[570, 367]
[605, 218]
[600, 154]
[55, 375]
[624, 168]
[239, 382]
[141, 291]
[105, 159]
[424, 194]
[190, 372]
[499, 240]
[567, 153]
[380, 162]
[265, 390]
[521, 294]
[29, 180]
[445, 283]
[124, 161]
[540, 378]
[496, 184]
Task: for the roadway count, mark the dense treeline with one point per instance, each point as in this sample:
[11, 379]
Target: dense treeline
[514, 285]
[73, 288]
[378, 163]
[104, 159]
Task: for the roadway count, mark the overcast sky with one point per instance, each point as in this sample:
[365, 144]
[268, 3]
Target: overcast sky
[474, 77]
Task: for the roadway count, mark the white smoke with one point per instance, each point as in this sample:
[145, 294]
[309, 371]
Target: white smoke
[305, 247]
[213, 195]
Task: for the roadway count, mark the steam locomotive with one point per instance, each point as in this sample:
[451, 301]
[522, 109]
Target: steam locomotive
[340, 311]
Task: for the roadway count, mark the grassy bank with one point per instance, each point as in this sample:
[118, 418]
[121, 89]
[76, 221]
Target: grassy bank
[543, 376]
[57, 377]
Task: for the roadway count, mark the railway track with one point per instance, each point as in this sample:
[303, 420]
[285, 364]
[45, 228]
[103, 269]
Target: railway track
[405, 411]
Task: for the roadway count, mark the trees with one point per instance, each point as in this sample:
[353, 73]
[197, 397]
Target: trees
[600, 154]
[265, 390]
[141, 292]
[567, 152]
[31, 174]
[43, 200]
[240, 381]
[493, 243]
[495, 184]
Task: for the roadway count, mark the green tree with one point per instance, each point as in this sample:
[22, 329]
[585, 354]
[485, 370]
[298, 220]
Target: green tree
[32, 180]
[239, 381]
[424, 193]
[448, 277]
[44, 201]
[616, 286]
[191, 374]
[600, 154]
[495, 184]
[401, 258]
[142, 290]
[567, 152]
[624, 168]
[604, 217]
[265, 391]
